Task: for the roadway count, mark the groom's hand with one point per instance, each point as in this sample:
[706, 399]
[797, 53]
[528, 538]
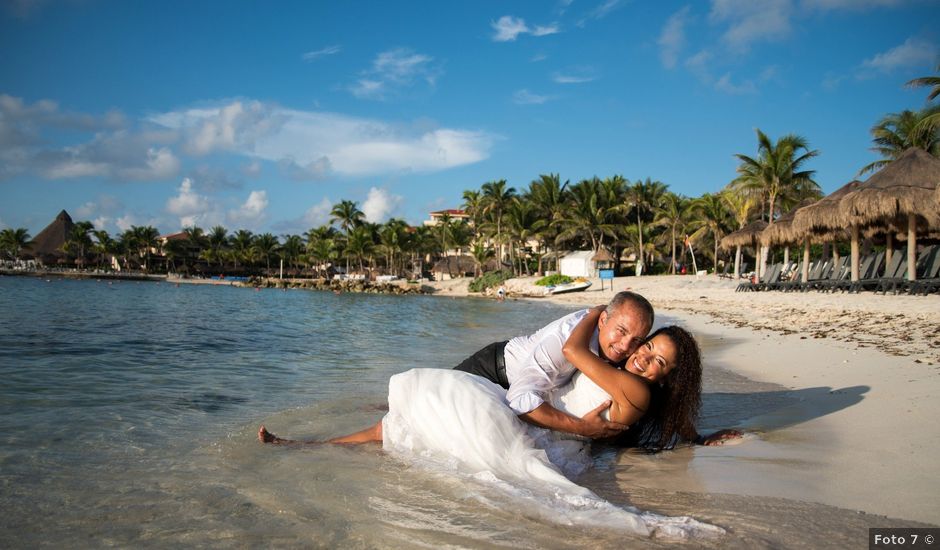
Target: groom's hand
[595, 426]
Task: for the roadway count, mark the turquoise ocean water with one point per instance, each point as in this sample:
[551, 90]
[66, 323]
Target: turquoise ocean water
[128, 414]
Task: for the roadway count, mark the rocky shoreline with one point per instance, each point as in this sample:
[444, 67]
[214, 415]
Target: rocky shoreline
[338, 286]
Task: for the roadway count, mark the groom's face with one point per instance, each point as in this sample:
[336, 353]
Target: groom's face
[620, 334]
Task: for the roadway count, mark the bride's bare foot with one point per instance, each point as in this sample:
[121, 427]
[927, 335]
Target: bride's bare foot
[265, 436]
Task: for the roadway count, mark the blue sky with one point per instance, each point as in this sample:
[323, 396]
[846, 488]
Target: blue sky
[261, 115]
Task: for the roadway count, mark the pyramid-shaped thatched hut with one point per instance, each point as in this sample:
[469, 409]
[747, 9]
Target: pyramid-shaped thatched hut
[47, 246]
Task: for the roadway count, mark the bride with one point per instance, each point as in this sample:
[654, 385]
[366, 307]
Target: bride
[454, 417]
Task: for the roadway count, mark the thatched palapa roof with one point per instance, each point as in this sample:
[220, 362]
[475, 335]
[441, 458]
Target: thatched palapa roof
[47, 245]
[908, 185]
[748, 235]
[824, 213]
[782, 230]
[602, 255]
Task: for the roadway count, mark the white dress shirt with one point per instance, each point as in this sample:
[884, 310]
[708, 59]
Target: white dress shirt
[535, 364]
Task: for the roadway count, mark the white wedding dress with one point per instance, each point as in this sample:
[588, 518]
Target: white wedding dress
[460, 421]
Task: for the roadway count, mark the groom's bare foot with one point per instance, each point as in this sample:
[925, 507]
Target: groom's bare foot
[265, 436]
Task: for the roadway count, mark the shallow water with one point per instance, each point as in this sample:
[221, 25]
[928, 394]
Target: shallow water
[128, 415]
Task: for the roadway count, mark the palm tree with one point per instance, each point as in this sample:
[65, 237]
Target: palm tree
[265, 246]
[241, 243]
[473, 206]
[932, 81]
[12, 241]
[349, 216]
[740, 206]
[291, 249]
[196, 241]
[145, 239]
[898, 132]
[392, 238]
[642, 198]
[712, 219]
[218, 241]
[550, 198]
[359, 245]
[673, 213]
[322, 251]
[79, 241]
[496, 198]
[589, 214]
[777, 167]
[481, 254]
[103, 245]
[522, 223]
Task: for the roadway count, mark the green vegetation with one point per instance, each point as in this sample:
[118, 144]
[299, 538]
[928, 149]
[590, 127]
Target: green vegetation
[553, 280]
[489, 280]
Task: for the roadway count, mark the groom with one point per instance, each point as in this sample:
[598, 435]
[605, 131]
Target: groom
[531, 366]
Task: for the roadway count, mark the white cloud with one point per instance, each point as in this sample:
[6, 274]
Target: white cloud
[750, 21]
[104, 206]
[318, 214]
[600, 11]
[315, 170]
[854, 5]
[914, 52]
[188, 205]
[252, 169]
[507, 28]
[525, 97]
[379, 204]
[125, 222]
[672, 37]
[321, 143]
[394, 71]
[724, 84]
[228, 127]
[317, 54]
[538, 57]
[252, 213]
[545, 30]
[578, 75]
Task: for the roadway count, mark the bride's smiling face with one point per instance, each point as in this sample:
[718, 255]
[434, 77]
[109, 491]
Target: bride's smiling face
[654, 359]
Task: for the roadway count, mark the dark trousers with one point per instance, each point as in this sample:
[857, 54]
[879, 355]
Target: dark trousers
[489, 362]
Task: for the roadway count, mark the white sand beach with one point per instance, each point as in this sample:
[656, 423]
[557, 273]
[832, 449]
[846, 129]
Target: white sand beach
[864, 370]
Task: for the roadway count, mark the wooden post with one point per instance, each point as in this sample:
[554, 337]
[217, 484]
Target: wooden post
[806, 260]
[911, 248]
[889, 250]
[854, 253]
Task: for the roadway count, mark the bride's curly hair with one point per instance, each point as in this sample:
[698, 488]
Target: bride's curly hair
[675, 400]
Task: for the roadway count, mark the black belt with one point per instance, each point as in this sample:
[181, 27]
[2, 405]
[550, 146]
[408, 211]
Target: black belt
[501, 364]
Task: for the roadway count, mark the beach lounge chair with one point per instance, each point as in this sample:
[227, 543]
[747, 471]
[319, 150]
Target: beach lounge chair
[773, 277]
[818, 273]
[868, 274]
[931, 281]
[765, 278]
[724, 273]
[899, 282]
[893, 277]
[839, 272]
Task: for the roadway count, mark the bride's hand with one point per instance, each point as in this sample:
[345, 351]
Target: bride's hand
[595, 426]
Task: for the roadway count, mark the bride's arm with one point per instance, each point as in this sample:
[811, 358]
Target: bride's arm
[629, 393]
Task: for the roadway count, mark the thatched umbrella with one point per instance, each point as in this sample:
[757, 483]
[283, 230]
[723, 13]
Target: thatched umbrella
[782, 231]
[905, 188]
[749, 235]
[822, 217]
[47, 246]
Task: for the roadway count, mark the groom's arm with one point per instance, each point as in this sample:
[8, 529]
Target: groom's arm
[544, 370]
[592, 425]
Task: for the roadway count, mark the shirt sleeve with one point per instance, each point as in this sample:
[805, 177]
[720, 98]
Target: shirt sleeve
[540, 373]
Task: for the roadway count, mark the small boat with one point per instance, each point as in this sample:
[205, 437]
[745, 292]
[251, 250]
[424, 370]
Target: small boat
[576, 286]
